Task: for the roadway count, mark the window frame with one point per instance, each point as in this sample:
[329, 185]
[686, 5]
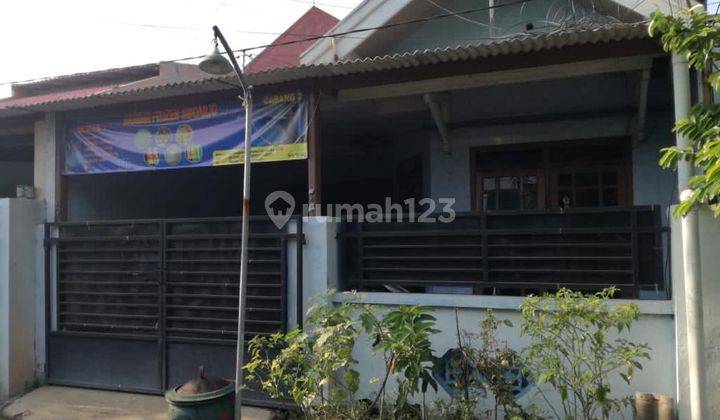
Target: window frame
[547, 171]
[511, 173]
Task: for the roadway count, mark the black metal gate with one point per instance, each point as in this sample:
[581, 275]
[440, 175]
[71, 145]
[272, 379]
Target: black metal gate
[138, 305]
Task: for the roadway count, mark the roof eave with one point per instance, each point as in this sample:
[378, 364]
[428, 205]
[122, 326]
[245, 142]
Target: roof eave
[519, 45]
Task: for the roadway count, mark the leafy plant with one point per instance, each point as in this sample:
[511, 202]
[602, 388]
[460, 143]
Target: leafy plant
[696, 34]
[313, 367]
[483, 373]
[572, 351]
[403, 336]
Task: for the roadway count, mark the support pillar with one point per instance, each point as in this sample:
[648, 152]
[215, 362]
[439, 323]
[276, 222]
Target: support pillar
[691, 254]
[314, 156]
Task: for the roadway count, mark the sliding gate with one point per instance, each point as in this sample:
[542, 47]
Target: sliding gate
[139, 305]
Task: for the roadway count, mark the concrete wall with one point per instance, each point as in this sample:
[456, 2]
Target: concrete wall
[450, 173]
[710, 274]
[651, 183]
[655, 327]
[320, 263]
[19, 219]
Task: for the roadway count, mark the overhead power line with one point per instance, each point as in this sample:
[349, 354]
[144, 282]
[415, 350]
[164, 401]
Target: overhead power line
[334, 35]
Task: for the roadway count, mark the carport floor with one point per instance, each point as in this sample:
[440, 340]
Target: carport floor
[64, 403]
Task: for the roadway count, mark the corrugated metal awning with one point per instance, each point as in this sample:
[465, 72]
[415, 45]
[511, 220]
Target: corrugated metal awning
[518, 44]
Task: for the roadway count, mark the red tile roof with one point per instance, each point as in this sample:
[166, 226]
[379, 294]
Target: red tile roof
[314, 22]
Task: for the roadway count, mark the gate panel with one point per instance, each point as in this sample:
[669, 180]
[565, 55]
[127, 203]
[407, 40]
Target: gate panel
[107, 331]
[109, 278]
[202, 266]
[202, 274]
[107, 362]
[140, 304]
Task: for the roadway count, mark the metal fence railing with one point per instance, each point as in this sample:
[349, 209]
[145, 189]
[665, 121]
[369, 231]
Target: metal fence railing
[509, 253]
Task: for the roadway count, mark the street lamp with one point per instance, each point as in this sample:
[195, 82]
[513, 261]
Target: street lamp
[216, 64]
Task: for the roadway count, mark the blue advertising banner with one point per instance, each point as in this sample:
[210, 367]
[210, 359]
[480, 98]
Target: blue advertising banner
[209, 134]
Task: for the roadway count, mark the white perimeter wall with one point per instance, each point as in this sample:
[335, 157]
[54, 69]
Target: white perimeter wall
[19, 219]
[655, 327]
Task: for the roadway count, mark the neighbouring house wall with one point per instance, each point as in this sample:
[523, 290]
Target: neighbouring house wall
[655, 327]
[19, 219]
[710, 275]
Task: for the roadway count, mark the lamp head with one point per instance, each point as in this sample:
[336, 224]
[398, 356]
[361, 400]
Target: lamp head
[215, 63]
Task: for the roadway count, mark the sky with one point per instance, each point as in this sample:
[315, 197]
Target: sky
[42, 38]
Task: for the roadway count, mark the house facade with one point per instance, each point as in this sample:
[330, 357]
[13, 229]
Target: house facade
[538, 126]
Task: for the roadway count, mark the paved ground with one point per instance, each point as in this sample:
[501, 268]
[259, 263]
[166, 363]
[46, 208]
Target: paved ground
[62, 403]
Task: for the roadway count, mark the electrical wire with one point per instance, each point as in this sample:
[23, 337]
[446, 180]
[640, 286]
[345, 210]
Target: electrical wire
[319, 37]
[354, 31]
[463, 18]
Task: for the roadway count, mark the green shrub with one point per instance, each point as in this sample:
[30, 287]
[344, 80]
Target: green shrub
[403, 337]
[313, 367]
[571, 350]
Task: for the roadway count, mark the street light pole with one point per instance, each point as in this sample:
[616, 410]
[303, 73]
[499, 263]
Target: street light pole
[214, 64]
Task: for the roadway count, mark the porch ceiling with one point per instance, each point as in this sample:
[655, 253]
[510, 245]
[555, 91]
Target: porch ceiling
[608, 94]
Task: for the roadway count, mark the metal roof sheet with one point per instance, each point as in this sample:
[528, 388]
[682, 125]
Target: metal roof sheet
[517, 44]
[82, 80]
